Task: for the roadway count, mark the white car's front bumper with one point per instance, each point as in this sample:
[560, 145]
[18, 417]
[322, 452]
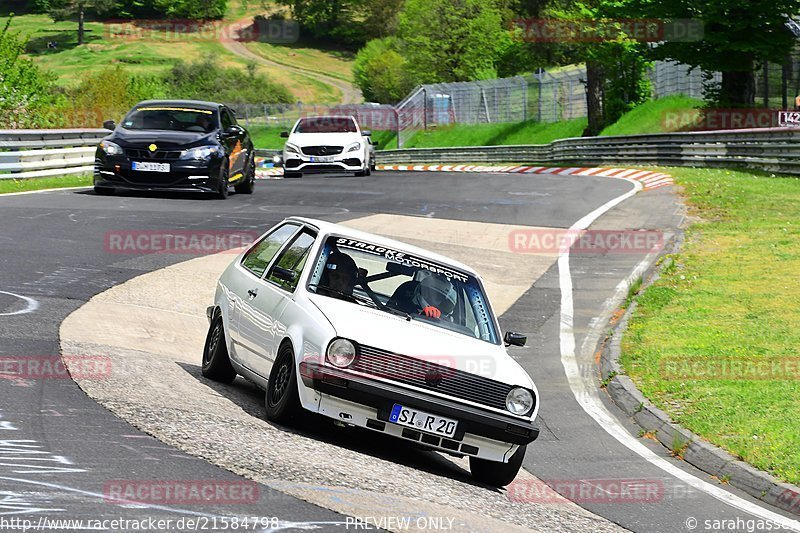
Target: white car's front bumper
[345, 161]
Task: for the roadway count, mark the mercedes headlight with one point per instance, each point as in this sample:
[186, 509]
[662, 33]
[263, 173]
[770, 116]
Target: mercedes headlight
[200, 153]
[341, 353]
[292, 148]
[354, 147]
[519, 401]
[111, 148]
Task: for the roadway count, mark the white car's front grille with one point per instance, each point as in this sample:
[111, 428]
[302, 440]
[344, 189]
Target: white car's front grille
[322, 150]
[432, 376]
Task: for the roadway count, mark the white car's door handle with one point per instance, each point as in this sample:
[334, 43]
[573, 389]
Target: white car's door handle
[252, 293]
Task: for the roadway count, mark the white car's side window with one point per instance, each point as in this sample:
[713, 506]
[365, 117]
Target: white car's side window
[287, 268]
[260, 256]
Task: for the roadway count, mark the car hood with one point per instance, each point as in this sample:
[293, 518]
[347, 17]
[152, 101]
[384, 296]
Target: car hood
[379, 329]
[328, 139]
[165, 140]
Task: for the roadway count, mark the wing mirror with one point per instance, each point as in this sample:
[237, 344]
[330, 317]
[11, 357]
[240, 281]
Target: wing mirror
[514, 339]
[366, 133]
[230, 131]
[284, 274]
[110, 125]
[285, 134]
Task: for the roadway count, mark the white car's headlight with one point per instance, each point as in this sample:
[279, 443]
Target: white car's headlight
[200, 153]
[111, 148]
[354, 147]
[292, 148]
[519, 401]
[341, 353]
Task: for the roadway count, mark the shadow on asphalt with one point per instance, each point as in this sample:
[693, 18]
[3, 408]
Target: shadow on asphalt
[251, 399]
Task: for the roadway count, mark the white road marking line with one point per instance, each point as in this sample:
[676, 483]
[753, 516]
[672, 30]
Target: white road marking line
[590, 402]
[32, 305]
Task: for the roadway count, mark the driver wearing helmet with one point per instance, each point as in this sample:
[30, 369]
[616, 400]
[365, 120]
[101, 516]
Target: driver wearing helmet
[432, 296]
[339, 277]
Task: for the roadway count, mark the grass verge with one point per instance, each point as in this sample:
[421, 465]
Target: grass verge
[35, 184]
[716, 341]
[529, 132]
[654, 116]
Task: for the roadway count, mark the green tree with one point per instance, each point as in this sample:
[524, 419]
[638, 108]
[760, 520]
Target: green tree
[450, 40]
[68, 9]
[381, 72]
[737, 34]
[23, 87]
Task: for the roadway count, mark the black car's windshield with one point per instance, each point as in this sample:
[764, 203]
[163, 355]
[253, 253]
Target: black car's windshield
[414, 287]
[326, 125]
[171, 118]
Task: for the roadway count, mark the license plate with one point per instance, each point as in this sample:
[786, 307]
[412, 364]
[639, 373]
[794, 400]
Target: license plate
[150, 167]
[326, 159]
[422, 421]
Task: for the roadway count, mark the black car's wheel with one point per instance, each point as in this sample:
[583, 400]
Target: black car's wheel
[249, 183]
[222, 191]
[103, 191]
[494, 473]
[216, 362]
[282, 401]
[287, 174]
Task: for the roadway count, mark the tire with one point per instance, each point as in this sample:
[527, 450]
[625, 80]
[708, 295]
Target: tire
[494, 473]
[281, 400]
[103, 191]
[216, 363]
[250, 181]
[222, 192]
[292, 174]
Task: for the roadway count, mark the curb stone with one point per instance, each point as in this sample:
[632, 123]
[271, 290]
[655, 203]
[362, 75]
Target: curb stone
[699, 453]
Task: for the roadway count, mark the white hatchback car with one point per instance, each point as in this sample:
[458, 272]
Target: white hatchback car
[326, 144]
[377, 334]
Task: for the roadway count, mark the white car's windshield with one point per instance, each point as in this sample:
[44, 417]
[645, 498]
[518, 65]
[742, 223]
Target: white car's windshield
[400, 283]
[326, 125]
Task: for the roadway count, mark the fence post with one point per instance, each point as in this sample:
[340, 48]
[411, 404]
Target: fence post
[425, 109]
[524, 99]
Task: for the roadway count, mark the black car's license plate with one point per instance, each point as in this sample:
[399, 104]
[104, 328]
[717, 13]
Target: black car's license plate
[422, 421]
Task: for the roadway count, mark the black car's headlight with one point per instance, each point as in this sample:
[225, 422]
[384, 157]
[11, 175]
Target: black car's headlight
[111, 148]
[519, 401]
[341, 353]
[201, 153]
[354, 147]
[292, 148]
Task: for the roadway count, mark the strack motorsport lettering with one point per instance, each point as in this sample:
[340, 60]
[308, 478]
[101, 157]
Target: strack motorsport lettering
[402, 258]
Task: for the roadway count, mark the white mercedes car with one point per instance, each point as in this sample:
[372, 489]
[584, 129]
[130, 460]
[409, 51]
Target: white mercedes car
[377, 334]
[326, 144]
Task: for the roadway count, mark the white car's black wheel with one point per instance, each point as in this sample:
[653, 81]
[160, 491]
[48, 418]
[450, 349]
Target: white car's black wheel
[216, 363]
[494, 473]
[282, 401]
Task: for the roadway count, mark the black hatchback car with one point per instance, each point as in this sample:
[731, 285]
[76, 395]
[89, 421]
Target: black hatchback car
[177, 145]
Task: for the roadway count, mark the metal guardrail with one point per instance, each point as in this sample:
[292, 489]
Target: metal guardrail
[769, 149]
[42, 153]
[39, 153]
